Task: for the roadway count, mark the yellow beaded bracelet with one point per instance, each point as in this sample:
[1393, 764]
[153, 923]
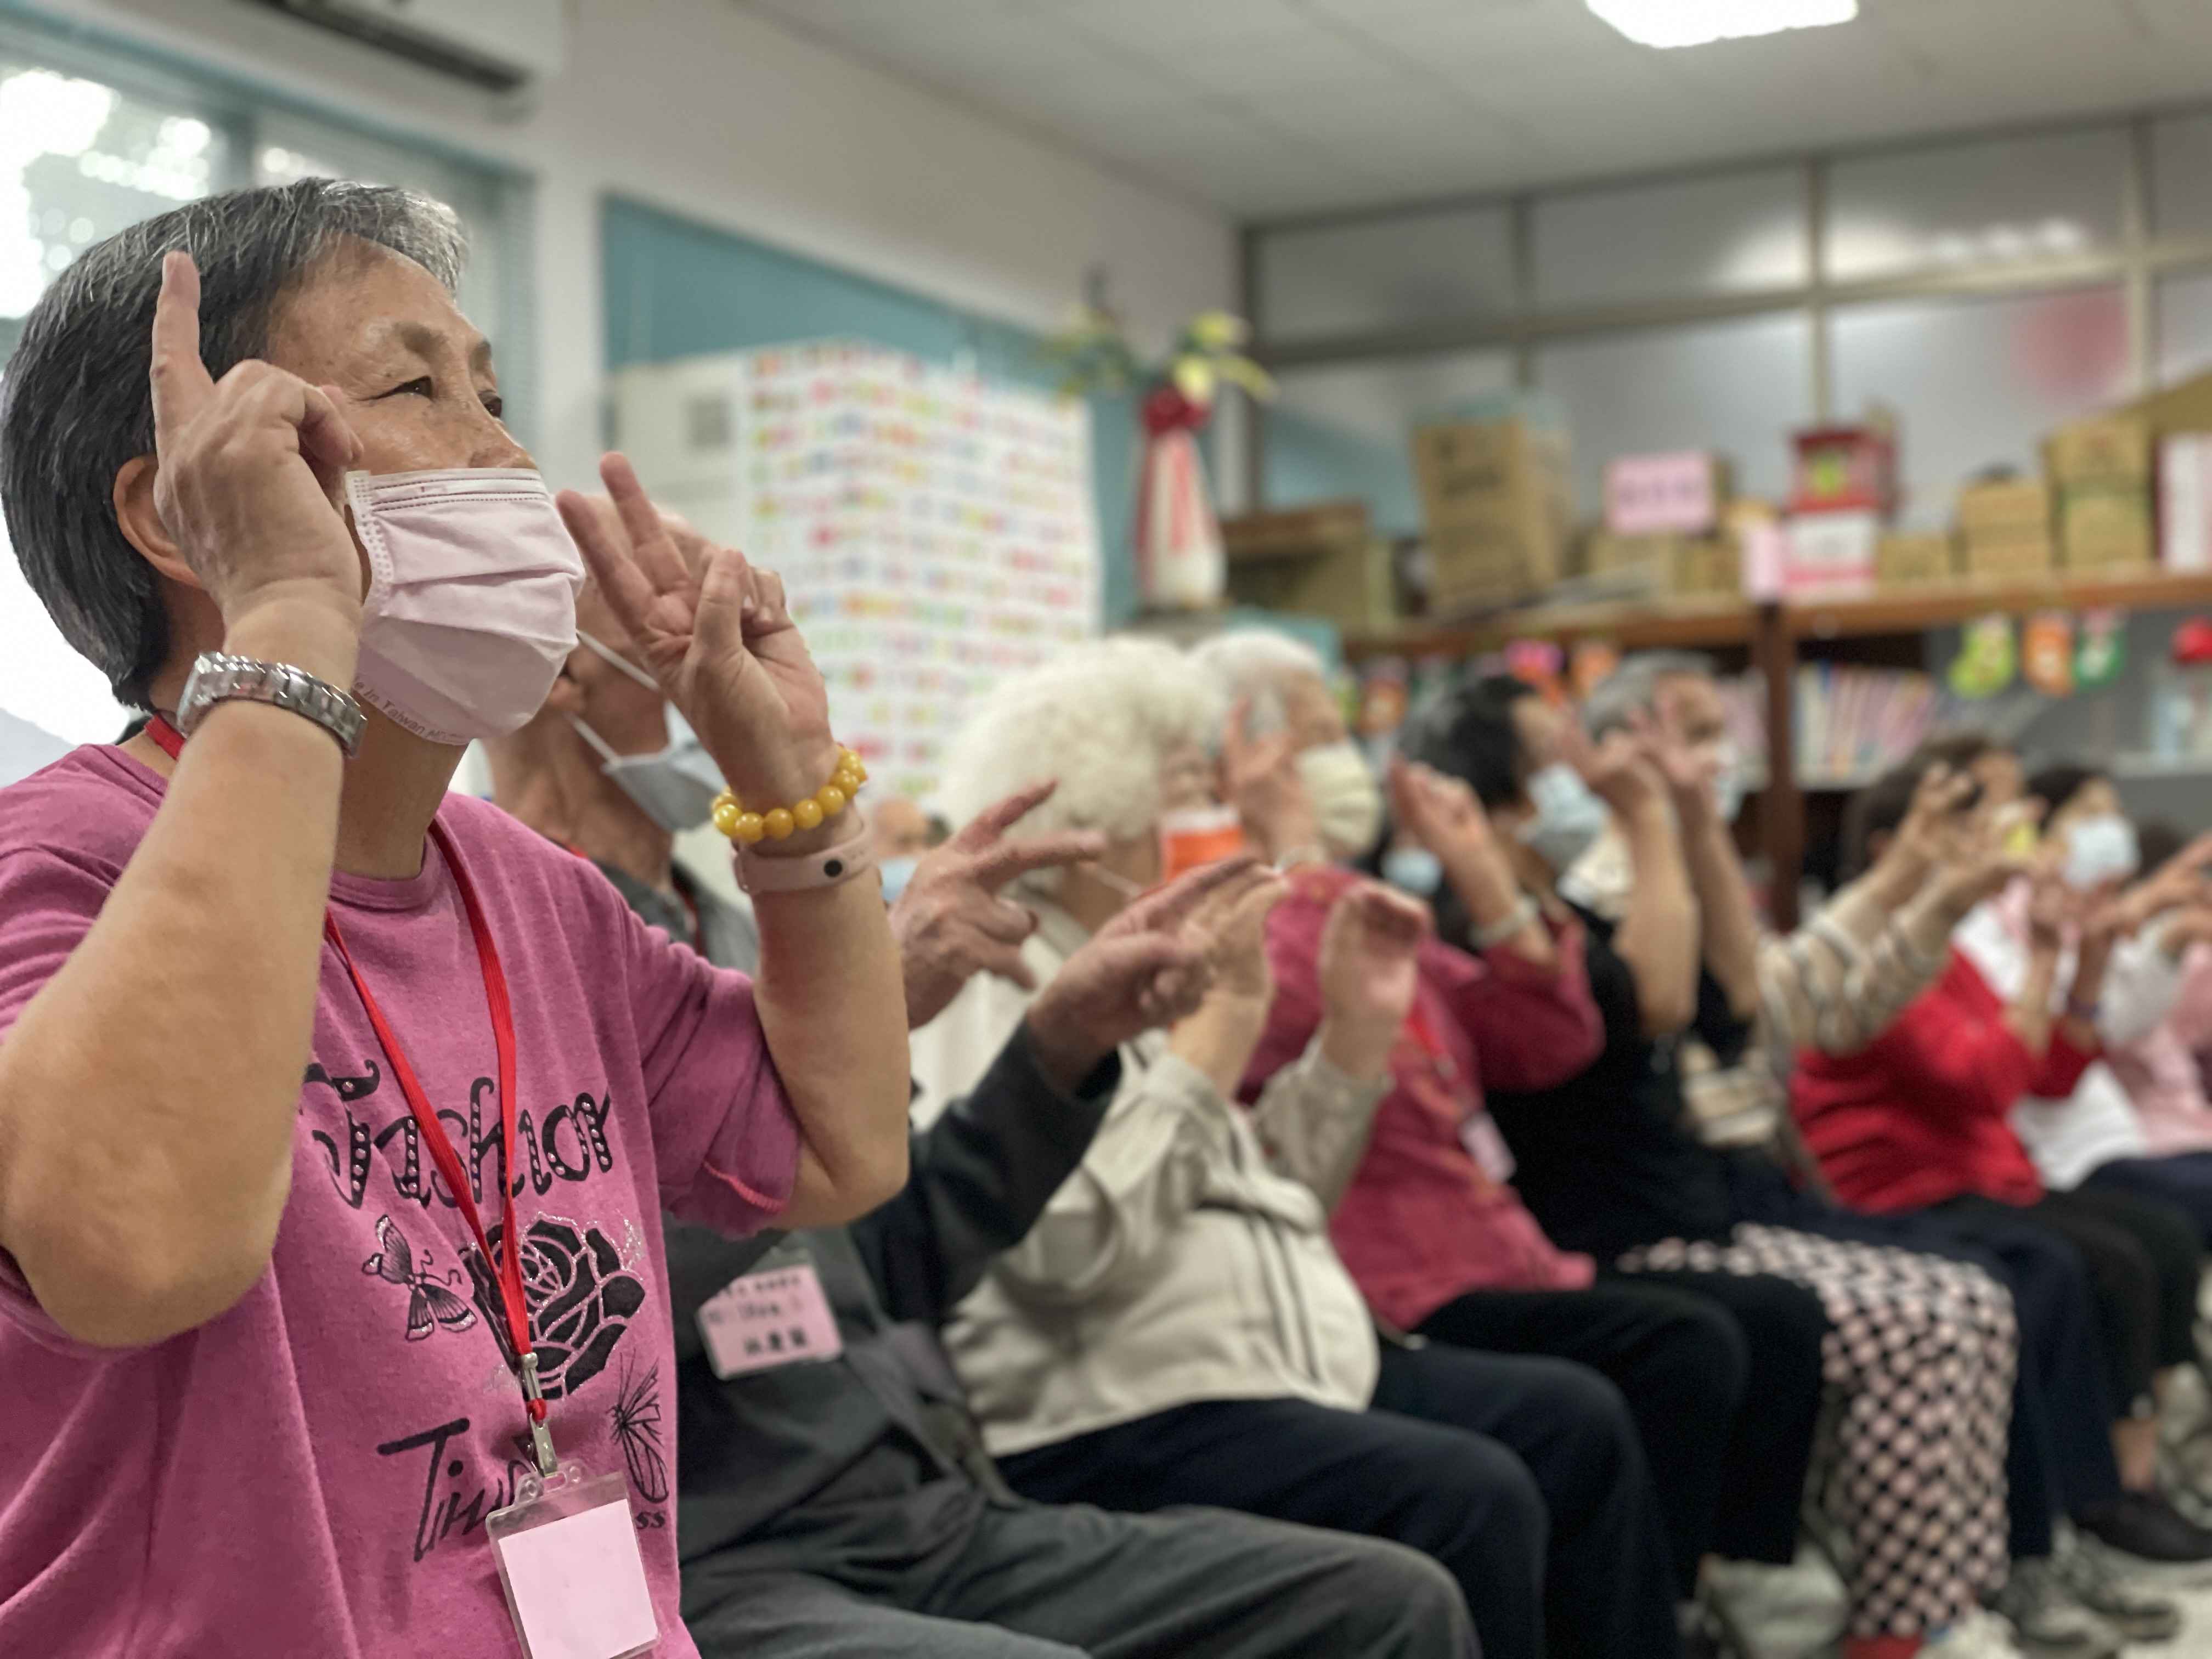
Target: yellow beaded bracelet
[745, 827]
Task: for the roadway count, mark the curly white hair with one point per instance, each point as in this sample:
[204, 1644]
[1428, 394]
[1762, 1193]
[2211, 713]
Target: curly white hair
[1101, 718]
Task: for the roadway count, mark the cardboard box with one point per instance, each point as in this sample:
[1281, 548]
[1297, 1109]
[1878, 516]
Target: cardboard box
[1709, 565]
[2184, 408]
[1668, 565]
[1320, 560]
[2011, 557]
[2110, 449]
[2105, 528]
[1831, 553]
[1679, 493]
[2185, 501]
[1900, 560]
[2009, 508]
[1496, 507]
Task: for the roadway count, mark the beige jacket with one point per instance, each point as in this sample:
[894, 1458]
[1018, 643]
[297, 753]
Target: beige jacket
[1174, 1266]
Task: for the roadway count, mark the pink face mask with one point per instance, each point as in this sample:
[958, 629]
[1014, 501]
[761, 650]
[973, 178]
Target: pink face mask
[472, 605]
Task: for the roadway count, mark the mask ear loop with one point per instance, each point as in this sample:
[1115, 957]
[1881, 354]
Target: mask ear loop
[614, 659]
[598, 743]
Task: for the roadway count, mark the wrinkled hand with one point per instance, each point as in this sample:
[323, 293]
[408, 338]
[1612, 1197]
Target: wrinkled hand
[1370, 960]
[1616, 768]
[2053, 907]
[1260, 778]
[1974, 853]
[1145, 968]
[1687, 772]
[950, 924]
[719, 640]
[252, 468]
[1440, 812]
[1933, 826]
[2187, 927]
[2180, 881]
[1232, 925]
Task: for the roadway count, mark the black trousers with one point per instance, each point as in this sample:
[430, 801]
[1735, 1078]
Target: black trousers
[1680, 1360]
[1769, 1445]
[2183, 1181]
[1556, 1542]
[2144, 1260]
[1032, 1583]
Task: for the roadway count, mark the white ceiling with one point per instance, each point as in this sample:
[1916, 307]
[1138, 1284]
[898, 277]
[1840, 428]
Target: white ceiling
[1272, 107]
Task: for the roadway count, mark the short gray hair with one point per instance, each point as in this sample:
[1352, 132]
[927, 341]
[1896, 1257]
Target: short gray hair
[1100, 718]
[77, 403]
[1635, 684]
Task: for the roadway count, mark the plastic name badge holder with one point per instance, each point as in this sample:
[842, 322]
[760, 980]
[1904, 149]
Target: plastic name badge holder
[567, 1549]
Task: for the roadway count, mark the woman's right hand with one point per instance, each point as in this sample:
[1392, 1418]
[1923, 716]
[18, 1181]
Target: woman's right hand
[251, 470]
[1370, 971]
[1615, 768]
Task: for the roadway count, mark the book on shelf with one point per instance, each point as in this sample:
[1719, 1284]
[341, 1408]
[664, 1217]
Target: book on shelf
[1852, 724]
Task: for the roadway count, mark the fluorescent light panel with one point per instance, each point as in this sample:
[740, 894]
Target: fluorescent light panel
[1698, 22]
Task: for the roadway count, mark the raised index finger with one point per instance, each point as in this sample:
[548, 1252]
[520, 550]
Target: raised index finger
[1000, 815]
[181, 384]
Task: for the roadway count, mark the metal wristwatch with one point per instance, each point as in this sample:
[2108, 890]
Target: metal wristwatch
[217, 678]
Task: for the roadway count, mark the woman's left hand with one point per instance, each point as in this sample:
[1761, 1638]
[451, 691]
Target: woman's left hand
[717, 635]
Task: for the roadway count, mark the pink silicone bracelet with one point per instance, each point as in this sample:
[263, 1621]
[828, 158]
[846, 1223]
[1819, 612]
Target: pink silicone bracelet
[850, 857]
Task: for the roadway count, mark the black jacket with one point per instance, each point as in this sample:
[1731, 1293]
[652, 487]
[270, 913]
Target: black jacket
[885, 1423]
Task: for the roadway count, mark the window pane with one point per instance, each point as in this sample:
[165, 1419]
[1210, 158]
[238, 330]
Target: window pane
[1347, 431]
[1978, 382]
[1976, 204]
[80, 161]
[1706, 236]
[2184, 326]
[2181, 176]
[1736, 388]
[1384, 273]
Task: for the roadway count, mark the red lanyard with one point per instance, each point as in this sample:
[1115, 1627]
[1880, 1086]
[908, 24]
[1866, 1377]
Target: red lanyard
[506, 1265]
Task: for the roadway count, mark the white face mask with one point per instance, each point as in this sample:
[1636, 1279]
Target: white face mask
[472, 605]
[1347, 802]
[1728, 781]
[675, 785]
[2098, 849]
[1569, 818]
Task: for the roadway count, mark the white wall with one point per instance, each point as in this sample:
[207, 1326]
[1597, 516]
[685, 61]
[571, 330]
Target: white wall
[709, 112]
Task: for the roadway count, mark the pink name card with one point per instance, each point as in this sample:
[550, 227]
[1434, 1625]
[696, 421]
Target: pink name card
[779, 1316]
[1676, 494]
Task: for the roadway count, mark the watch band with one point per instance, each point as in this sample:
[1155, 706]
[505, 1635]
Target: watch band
[831, 867]
[217, 677]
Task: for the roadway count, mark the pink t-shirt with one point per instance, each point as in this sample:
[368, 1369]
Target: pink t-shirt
[309, 1472]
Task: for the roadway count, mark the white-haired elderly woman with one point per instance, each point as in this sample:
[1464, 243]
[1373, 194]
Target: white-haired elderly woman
[337, 1113]
[1177, 1327]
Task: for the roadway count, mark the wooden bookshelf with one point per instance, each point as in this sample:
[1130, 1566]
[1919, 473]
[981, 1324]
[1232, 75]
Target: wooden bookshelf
[1777, 635]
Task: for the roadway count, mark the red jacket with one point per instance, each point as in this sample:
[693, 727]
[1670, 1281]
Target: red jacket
[1421, 1222]
[1921, 1115]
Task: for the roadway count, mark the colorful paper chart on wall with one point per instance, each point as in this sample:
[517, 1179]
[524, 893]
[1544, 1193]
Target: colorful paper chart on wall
[935, 533]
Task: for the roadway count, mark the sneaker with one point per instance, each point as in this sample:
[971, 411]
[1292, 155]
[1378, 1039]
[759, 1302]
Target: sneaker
[2146, 1526]
[2048, 1620]
[2092, 1578]
[1976, 1635]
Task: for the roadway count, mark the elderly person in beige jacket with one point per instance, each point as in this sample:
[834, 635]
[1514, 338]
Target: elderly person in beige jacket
[1177, 1327]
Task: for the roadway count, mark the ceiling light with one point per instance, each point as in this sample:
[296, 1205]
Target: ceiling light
[1697, 22]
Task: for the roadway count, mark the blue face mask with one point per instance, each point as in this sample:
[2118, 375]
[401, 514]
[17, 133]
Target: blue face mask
[897, 873]
[1569, 817]
[1413, 870]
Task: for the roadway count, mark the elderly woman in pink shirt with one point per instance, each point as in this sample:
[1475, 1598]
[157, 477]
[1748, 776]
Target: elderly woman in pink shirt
[1424, 1213]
